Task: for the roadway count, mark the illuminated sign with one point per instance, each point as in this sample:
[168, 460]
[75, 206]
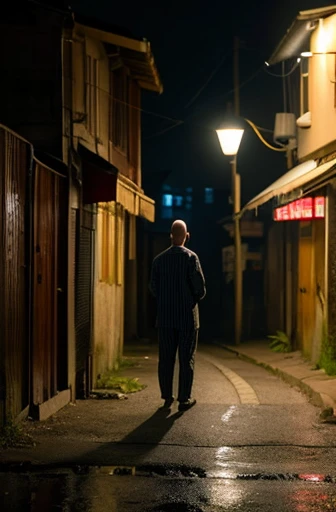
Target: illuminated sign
[307, 208]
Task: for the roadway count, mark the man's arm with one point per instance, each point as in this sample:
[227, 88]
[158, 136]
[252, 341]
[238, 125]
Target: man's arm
[196, 278]
[153, 280]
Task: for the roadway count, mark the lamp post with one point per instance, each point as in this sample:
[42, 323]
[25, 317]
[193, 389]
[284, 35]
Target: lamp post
[230, 139]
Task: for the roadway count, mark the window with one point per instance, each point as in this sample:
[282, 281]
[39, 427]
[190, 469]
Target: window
[111, 243]
[92, 95]
[178, 201]
[167, 200]
[134, 116]
[208, 195]
[304, 92]
[167, 206]
[119, 109]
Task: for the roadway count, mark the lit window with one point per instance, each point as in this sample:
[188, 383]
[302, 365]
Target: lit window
[167, 200]
[178, 200]
[189, 190]
[208, 196]
[188, 199]
[166, 187]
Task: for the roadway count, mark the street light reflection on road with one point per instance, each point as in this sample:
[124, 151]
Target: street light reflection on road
[231, 495]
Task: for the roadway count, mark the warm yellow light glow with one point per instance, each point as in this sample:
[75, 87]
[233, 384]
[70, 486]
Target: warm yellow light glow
[324, 41]
[229, 140]
[306, 54]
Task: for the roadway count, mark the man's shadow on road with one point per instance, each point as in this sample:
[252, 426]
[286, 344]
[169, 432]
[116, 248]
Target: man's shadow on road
[153, 429]
[132, 448]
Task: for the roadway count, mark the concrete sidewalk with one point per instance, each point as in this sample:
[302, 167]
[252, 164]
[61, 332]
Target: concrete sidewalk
[292, 368]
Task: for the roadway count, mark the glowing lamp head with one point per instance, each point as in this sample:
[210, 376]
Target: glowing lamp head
[229, 139]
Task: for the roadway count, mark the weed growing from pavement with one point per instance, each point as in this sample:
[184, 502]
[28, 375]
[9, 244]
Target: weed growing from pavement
[327, 359]
[109, 380]
[12, 434]
[114, 380]
[280, 342]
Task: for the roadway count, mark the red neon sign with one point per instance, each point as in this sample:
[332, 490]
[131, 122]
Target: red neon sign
[307, 208]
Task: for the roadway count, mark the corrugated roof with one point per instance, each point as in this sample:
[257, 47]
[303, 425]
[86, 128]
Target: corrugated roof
[298, 35]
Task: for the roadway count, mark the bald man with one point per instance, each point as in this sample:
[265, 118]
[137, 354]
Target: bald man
[177, 283]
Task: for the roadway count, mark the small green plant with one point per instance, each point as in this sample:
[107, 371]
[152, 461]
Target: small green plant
[10, 434]
[327, 359]
[109, 380]
[280, 342]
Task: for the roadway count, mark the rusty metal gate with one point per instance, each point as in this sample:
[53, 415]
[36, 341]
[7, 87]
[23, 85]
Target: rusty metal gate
[14, 274]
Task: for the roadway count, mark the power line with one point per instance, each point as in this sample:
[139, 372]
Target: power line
[212, 74]
[242, 84]
[178, 123]
[282, 75]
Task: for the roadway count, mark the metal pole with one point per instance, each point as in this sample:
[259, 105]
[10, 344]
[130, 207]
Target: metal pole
[238, 281]
[236, 75]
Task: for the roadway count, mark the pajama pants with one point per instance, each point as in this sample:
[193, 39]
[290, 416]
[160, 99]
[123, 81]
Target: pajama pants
[171, 340]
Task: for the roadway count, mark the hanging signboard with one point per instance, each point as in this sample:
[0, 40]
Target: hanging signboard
[306, 208]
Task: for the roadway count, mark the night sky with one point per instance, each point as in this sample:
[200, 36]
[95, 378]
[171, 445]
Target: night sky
[192, 42]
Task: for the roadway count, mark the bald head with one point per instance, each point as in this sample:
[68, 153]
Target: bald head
[178, 232]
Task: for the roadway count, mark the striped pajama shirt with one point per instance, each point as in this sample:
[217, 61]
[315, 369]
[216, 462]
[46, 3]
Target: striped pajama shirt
[177, 283]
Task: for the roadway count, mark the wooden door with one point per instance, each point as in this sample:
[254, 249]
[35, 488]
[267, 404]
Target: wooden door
[46, 207]
[306, 298]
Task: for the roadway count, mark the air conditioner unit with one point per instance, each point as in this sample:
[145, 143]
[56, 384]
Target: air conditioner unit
[284, 128]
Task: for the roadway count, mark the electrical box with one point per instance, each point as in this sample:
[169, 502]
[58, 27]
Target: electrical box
[284, 128]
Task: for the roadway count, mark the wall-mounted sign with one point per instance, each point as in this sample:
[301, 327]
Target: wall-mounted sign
[248, 229]
[306, 208]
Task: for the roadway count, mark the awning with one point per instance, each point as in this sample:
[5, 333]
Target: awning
[102, 183]
[295, 179]
[134, 200]
[297, 36]
[99, 177]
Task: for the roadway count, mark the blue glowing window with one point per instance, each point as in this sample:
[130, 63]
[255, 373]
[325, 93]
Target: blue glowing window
[167, 200]
[208, 195]
[178, 200]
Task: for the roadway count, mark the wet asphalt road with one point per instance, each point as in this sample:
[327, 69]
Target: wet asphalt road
[251, 443]
[99, 492]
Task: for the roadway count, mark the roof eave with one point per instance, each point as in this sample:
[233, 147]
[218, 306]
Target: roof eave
[297, 36]
[149, 79]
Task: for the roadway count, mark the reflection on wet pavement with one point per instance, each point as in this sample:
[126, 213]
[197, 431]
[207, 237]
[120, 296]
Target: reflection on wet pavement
[180, 489]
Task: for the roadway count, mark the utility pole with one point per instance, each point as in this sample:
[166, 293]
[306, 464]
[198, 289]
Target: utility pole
[236, 188]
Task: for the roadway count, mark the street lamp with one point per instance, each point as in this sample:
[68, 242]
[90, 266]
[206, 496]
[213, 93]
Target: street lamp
[230, 139]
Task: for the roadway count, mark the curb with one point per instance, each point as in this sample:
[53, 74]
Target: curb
[315, 397]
